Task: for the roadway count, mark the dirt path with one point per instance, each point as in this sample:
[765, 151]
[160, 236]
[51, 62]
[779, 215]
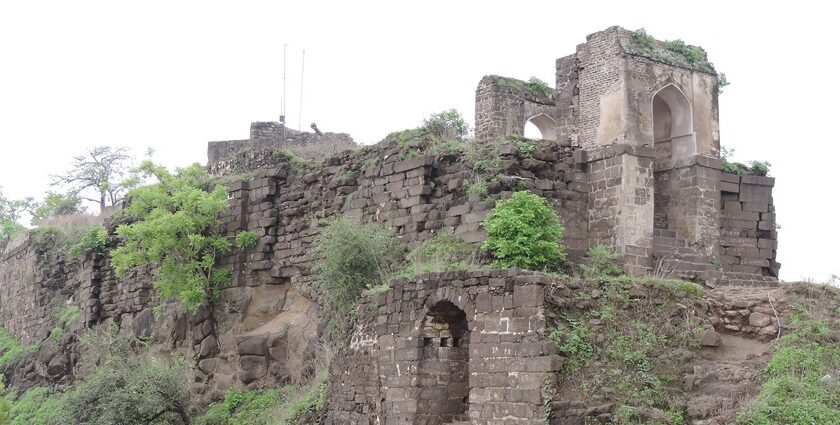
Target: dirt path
[727, 372]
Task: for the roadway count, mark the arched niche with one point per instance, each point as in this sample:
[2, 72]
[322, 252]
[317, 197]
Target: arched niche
[444, 364]
[673, 125]
[540, 126]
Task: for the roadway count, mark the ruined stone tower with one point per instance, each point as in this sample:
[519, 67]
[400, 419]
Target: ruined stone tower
[643, 117]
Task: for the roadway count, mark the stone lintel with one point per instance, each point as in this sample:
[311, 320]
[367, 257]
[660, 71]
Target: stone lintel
[604, 152]
[700, 160]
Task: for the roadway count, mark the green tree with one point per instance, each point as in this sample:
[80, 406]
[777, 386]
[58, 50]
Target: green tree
[176, 230]
[103, 171]
[123, 386]
[56, 204]
[446, 125]
[524, 231]
[11, 211]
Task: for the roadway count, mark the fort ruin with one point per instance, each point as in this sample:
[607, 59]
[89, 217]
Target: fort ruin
[630, 159]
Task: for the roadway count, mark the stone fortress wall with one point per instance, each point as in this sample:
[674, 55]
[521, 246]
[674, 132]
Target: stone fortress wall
[644, 126]
[267, 135]
[621, 167]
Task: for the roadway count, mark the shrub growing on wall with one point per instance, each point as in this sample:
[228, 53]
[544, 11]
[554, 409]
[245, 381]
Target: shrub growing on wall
[94, 239]
[524, 231]
[600, 263]
[443, 253]
[446, 125]
[355, 257]
[176, 230]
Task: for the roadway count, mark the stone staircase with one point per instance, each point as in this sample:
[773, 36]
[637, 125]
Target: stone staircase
[676, 259]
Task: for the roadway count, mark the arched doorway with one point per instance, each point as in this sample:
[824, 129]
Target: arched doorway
[540, 126]
[673, 125]
[673, 141]
[444, 365]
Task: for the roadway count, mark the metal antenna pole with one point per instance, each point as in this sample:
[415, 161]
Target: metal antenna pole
[283, 103]
[300, 110]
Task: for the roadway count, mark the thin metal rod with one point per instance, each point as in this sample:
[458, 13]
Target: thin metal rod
[283, 103]
[300, 110]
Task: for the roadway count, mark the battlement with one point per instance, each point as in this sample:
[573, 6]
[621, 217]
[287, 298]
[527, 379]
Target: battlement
[274, 136]
[630, 137]
[642, 117]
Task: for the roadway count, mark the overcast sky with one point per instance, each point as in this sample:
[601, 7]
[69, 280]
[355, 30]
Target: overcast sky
[173, 75]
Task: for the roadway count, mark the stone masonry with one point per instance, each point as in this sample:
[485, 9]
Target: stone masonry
[644, 124]
[447, 348]
[630, 160]
[274, 136]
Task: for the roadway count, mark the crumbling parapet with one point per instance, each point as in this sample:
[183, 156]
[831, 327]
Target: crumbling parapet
[275, 137]
[748, 226]
[503, 106]
[617, 80]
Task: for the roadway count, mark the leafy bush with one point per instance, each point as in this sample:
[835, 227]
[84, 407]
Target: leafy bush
[354, 257]
[269, 407]
[600, 263]
[56, 204]
[476, 187]
[5, 406]
[68, 316]
[525, 148]
[643, 39]
[756, 168]
[443, 253]
[119, 385]
[51, 238]
[722, 82]
[759, 168]
[38, 405]
[11, 211]
[177, 231]
[295, 162]
[574, 345]
[442, 133]
[246, 239]
[524, 231]
[446, 125]
[299, 401]
[10, 348]
[94, 239]
[732, 167]
[674, 52]
[693, 54]
[242, 408]
[540, 87]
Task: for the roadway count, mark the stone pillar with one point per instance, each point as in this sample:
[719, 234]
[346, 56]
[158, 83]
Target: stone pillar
[621, 203]
[498, 111]
[690, 189]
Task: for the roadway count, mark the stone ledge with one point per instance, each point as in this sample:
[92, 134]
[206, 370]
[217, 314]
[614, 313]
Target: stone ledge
[583, 156]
